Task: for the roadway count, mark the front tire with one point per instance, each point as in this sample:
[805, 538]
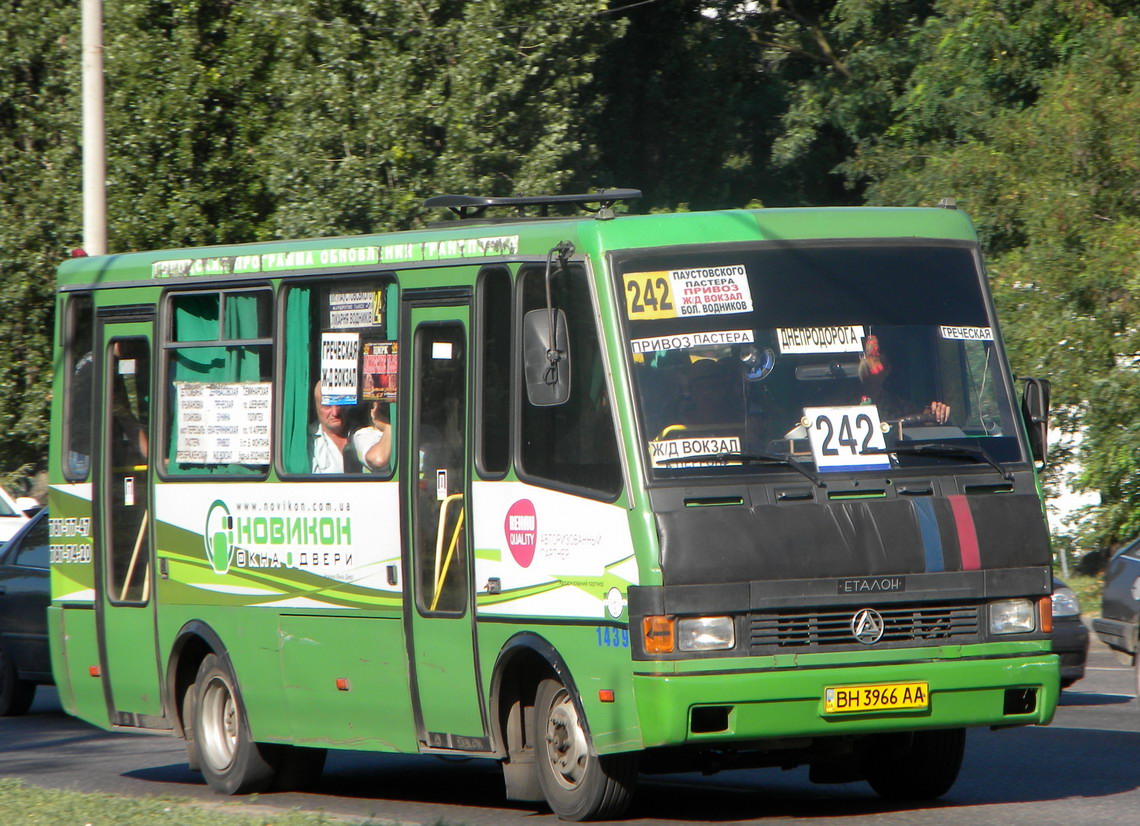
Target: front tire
[193, 762]
[229, 759]
[577, 783]
[920, 765]
[16, 695]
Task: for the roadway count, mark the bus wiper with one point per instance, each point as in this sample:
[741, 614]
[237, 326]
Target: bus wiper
[750, 458]
[978, 454]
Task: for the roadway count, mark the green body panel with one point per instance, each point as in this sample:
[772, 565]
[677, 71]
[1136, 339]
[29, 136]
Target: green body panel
[373, 711]
[81, 692]
[72, 570]
[59, 659]
[252, 638]
[789, 703]
[613, 726]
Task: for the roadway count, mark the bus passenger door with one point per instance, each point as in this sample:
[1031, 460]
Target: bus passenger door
[124, 580]
[441, 633]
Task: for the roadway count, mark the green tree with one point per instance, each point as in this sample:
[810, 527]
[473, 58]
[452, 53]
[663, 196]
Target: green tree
[709, 103]
[186, 114]
[39, 208]
[231, 121]
[379, 104]
[1026, 113]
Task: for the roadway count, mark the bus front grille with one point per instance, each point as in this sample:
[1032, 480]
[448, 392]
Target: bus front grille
[902, 625]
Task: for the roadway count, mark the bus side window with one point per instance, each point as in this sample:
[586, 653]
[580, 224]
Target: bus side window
[340, 378]
[219, 351]
[494, 332]
[79, 366]
[571, 444]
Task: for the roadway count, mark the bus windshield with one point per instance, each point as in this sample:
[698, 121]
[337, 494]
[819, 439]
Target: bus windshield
[828, 357]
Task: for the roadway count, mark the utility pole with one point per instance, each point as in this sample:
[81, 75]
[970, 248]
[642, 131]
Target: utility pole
[94, 142]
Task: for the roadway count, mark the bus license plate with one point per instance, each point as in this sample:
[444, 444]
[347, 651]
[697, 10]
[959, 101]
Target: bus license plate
[883, 697]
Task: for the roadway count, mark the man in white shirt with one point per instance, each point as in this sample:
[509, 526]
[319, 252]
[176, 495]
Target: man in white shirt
[329, 436]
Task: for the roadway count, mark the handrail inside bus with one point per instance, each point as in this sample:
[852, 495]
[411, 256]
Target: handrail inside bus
[134, 561]
[440, 575]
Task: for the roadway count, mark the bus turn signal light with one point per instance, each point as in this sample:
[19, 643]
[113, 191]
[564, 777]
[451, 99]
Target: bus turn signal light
[1045, 607]
[658, 634]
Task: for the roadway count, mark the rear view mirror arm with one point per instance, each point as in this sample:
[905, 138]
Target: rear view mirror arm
[564, 249]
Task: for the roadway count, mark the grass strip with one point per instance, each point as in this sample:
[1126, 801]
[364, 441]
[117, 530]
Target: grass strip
[25, 805]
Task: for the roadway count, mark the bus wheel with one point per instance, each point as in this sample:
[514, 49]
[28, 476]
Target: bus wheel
[577, 784]
[192, 760]
[231, 762]
[16, 695]
[921, 765]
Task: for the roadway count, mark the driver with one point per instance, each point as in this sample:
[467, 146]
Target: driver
[874, 368]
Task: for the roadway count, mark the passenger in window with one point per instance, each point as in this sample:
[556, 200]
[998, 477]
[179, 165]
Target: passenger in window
[330, 436]
[373, 443]
[874, 369]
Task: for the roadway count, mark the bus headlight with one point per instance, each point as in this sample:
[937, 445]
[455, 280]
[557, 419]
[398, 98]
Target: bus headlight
[706, 633]
[1012, 616]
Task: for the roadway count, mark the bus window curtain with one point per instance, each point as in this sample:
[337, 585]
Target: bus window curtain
[242, 363]
[296, 398]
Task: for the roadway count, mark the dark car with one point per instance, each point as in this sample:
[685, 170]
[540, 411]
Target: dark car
[25, 661]
[1120, 608]
[1070, 637]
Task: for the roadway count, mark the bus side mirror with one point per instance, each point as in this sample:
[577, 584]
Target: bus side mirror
[1035, 412]
[546, 363]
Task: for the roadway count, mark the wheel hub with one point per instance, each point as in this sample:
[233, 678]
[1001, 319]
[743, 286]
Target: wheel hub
[219, 725]
[568, 752]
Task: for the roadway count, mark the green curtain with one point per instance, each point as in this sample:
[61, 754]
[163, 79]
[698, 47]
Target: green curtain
[298, 389]
[242, 363]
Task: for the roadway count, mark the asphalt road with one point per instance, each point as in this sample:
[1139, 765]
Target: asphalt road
[1083, 769]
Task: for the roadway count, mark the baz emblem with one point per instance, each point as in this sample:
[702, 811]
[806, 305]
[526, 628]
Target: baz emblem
[867, 626]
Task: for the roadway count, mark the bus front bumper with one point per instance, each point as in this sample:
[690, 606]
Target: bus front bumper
[745, 705]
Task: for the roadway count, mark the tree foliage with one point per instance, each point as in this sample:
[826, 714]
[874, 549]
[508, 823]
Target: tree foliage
[1026, 113]
[40, 209]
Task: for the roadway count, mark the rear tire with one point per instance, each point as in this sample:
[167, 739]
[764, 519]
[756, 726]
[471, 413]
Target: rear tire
[16, 695]
[230, 761]
[920, 765]
[577, 783]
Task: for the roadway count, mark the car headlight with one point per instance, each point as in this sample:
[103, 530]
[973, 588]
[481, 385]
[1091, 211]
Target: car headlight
[1012, 616]
[1065, 603]
[706, 633]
